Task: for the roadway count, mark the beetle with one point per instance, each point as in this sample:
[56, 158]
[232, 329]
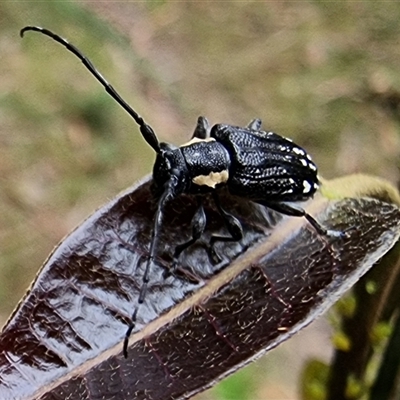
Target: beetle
[260, 166]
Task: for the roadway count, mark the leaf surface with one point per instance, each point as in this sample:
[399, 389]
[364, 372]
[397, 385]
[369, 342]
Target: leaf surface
[65, 338]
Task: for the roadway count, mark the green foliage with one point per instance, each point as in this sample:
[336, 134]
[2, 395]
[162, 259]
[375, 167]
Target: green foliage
[241, 386]
[314, 380]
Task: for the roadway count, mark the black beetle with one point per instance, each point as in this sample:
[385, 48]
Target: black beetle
[260, 166]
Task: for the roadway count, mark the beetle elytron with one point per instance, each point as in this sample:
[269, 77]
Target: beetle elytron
[260, 166]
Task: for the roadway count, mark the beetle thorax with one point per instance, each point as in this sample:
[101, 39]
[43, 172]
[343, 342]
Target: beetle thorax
[208, 164]
[200, 166]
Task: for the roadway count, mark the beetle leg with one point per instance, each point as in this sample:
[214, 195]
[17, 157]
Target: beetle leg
[202, 130]
[232, 224]
[198, 225]
[293, 211]
[255, 124]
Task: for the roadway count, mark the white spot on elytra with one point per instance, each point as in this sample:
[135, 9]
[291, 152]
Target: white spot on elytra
[299, 151]
[306, 187]
[304, 162]
[312, 166]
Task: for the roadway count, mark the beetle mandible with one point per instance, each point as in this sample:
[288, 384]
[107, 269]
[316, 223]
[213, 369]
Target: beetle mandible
[258, 165]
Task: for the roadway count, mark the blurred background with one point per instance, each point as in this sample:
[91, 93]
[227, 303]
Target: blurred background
[325, 74]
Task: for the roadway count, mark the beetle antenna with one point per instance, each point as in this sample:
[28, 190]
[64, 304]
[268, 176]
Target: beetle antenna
[145, 129]
[168, 194]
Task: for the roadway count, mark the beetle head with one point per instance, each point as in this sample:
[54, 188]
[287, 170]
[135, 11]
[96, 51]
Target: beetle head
[170, 168]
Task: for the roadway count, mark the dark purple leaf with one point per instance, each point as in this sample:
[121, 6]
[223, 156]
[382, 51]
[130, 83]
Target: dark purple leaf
[65, 338]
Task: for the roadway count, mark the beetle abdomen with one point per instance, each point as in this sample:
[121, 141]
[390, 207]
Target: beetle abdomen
[266, 166]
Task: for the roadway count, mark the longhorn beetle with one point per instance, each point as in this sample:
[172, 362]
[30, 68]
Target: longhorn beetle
[257, 165]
